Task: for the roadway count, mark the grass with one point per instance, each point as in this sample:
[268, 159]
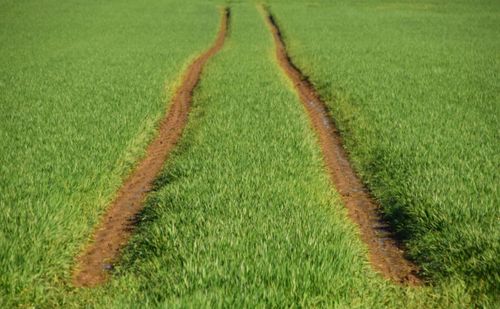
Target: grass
[414, 88]
[82, 85]
[244, 214]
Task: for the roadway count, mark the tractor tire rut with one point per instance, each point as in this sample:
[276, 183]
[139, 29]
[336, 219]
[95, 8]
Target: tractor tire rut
[94, 264]
[386, 254]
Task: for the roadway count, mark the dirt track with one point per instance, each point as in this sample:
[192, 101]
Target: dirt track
[385, 254]
[112, 234]
[93, 265]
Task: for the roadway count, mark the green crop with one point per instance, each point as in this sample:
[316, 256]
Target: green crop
[82, 86]
[415, 88]
[244, 214]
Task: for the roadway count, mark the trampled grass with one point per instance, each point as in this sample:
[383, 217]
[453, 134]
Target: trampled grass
[415, 88]
[82, 85]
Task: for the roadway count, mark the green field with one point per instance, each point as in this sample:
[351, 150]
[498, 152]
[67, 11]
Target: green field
[415, 87]
[244, 214]
[82, 84]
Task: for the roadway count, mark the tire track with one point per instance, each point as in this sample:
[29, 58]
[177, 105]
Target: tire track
[112, 234]
[385, 253]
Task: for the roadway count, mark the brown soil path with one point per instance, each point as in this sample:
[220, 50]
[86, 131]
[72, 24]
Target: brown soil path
[385, 254]
[117, 224]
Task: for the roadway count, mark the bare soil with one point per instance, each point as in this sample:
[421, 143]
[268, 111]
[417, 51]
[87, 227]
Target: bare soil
[94, 264]
[386, 254]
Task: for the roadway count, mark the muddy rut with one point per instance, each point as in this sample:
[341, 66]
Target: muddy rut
[94, 264]
[385, 254]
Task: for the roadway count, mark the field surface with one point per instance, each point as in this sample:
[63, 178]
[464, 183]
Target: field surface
[244, 213]
[415, 87]
[82, 85]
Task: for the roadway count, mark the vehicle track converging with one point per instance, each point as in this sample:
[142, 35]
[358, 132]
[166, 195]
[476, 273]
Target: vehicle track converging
[93, 265]
[385, 253]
